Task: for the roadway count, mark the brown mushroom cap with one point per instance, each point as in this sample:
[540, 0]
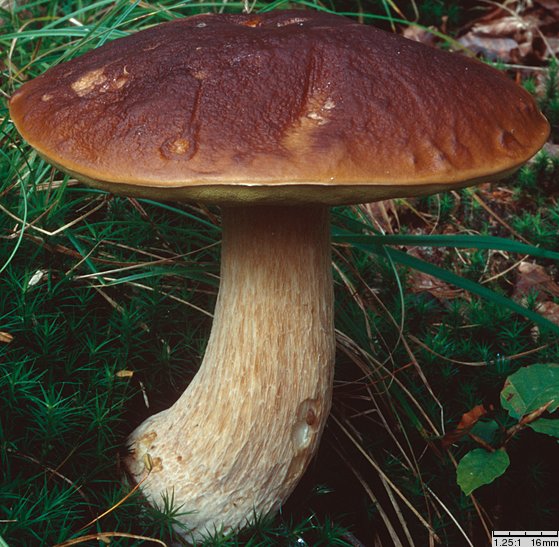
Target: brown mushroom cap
[292, 106]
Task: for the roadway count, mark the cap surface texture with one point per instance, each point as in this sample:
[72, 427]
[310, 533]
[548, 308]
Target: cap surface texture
[292, 106]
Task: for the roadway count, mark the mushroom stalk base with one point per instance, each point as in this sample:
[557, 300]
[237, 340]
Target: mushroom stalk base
[236, 443]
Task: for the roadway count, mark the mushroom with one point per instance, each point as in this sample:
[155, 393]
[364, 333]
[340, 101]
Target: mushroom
[274, 117]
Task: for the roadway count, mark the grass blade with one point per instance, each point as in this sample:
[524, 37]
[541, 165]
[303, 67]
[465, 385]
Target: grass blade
[461, 241]
[370, 244]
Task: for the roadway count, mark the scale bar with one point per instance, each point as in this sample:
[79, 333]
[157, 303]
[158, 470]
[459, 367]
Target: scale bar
[525, 534]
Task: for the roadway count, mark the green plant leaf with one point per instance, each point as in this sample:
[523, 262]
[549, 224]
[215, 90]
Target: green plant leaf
[548, 427]
[485, 430]
[480, 467]
[531, 387]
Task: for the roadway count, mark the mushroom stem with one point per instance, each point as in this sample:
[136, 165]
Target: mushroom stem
[238, 440]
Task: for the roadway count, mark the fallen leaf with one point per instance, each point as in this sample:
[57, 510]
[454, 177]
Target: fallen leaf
[512, 25]
[550, 5]
[551, 43]
[525, 35]
[533, 277]
[550, 148]
[508, 38]
[420, 282]
[469, 419]
[549, 310]
[503, 49]
[419, 34]
[5, 337]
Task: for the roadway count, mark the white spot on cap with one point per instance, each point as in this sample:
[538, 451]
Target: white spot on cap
[316, 117]
[86, 83]
[293, 21]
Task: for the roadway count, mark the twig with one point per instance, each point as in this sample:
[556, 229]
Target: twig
[498, 218]
[475, 363]
[525, 421]
[381, 473]
[117, 504]
[105, 537]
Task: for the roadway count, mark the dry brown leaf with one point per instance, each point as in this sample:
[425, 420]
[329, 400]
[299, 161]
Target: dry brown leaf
[550, 148]
[550, 310]
[513, 26]
[550, 5]
[420, 282]
[419, 34]
[533, 277]
[499, 195]
[469, 419]
[553, 43]
[504, 49]
[6, 337]
[508, 38]
[518, 34]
